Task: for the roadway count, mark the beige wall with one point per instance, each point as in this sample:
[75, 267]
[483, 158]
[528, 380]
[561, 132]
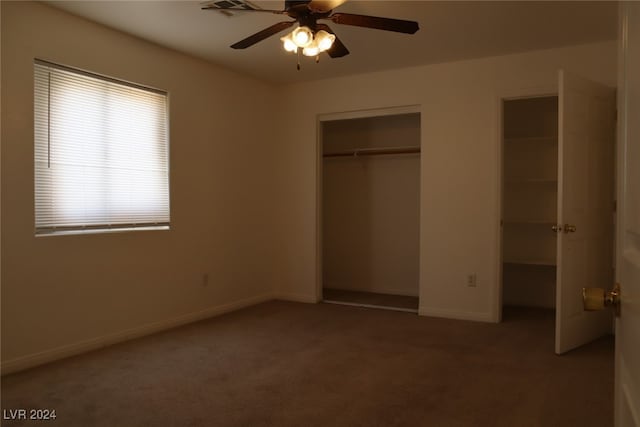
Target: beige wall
[66, 293]
[371, 211]
[459, 165]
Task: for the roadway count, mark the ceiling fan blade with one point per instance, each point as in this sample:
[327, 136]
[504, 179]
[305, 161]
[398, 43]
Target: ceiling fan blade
[387, 24]
[322, 6]
[337, 49]
[261, 35]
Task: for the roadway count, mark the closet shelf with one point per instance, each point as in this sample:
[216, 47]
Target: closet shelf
[531, 181]
[539, 262]
[374, 152]
[537, 140]
[528, 222]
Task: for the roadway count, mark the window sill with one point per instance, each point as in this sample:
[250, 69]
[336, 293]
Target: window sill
[47, 233]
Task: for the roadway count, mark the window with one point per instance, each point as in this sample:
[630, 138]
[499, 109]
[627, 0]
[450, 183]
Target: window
[101, 153]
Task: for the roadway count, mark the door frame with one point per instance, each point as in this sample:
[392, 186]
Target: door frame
[626, 393]
[511, 95]
[346, 115]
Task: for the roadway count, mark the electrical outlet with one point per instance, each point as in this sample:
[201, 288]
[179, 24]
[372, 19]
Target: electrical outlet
[205, 279]
[471, 280]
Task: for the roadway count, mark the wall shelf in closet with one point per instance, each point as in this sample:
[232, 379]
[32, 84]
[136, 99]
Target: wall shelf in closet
[536, 140]
[374, 152]
[529, 201]
[535, 262]
[532, 181]
[532, 222]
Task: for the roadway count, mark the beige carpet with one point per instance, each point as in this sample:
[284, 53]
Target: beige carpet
[289, 364]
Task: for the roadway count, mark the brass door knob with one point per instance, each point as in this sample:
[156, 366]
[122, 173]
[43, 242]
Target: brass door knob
[556, 228]
[568, 228]
[597, 299]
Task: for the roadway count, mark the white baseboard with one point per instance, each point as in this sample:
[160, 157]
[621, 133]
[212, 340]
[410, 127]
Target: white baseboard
[31, 360]
[459, 315]
[306, 298]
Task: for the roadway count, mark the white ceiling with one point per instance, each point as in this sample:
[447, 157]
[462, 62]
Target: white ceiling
[448, 31]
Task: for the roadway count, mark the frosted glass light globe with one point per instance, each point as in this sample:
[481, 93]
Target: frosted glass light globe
[302, 36]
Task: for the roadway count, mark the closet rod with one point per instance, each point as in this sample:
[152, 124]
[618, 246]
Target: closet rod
[374, 152]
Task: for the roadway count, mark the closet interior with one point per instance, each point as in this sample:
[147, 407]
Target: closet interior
[370, 211]
[529, 202]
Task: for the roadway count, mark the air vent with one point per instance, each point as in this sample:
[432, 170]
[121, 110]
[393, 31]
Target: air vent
[227, 7]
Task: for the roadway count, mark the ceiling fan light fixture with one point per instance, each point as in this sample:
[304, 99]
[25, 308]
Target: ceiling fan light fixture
[302, 36]
[288, 43]
[305, 15]
[324, 40]
[312, 50]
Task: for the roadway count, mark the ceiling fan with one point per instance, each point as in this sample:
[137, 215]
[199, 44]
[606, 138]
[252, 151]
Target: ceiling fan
[310, 35]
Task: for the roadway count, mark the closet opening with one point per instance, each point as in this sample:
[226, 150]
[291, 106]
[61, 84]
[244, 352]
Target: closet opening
[530, 207]
[370, 216]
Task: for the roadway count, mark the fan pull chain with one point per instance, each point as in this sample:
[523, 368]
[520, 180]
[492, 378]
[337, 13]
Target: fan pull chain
[317, 58]
[298, 60]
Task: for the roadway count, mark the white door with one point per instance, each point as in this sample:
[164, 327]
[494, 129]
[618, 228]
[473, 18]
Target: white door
[627, 384]
[586, 149]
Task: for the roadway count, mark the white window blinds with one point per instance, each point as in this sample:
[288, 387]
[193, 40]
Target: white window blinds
[101, 152]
